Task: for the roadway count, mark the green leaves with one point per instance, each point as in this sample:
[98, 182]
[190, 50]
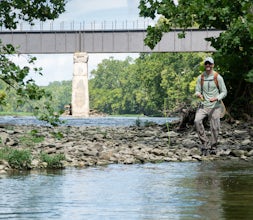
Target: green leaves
[140, 87]
[154, 35]
[14, 76]
[12, 12]
[249, 76]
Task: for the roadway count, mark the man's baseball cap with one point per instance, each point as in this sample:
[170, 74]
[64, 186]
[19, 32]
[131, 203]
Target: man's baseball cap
[209, 59]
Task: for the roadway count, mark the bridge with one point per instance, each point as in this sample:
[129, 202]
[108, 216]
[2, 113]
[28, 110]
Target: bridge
[83, 41]
[105, 41]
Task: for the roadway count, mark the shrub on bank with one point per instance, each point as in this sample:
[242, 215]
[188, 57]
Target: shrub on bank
[17, 159]
[53, 161]
[21, 159]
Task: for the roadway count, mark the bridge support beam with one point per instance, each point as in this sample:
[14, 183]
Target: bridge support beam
[80, 92]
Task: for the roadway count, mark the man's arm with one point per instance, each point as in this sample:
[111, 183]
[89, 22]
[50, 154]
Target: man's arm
[222, 87]
[198, 88]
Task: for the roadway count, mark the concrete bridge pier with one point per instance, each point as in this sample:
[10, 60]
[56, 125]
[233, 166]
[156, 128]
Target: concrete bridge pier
[80, 93]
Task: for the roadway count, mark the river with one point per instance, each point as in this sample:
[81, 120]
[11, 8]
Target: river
[92, 121]
[207, 190]
[181, 190]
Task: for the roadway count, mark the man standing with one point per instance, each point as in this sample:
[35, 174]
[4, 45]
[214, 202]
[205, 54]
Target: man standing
[211, 89]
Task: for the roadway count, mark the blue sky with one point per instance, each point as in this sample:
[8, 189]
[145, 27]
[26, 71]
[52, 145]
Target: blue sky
[59, 67]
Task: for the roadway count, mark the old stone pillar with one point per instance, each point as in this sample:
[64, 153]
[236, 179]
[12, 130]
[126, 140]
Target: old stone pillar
[80, 92]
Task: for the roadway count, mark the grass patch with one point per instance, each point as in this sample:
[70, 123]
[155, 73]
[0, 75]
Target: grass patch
[57, 135]
[31, 138]
[16, 114]
[53, 161]
[17, 159]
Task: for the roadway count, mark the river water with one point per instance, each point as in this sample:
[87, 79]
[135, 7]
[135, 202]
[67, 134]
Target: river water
[207, 190]
[92, 121]
[181, 190]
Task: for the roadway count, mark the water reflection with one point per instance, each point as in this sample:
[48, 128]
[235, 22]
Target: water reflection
[211, 190]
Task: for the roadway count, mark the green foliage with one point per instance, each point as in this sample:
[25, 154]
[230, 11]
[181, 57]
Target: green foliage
[15, 78]
[53, 161]
[12, 12]
[17, 159]
[106, 86]
[140, 86]
[2, 97]
[32, 138]
[61, 93]
[138, 122]
[57, 135]
[234, 55]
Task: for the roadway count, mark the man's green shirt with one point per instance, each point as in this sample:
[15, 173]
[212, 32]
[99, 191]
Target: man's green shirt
[210, 90]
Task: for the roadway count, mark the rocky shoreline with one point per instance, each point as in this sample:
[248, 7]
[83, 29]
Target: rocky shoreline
[97, 146]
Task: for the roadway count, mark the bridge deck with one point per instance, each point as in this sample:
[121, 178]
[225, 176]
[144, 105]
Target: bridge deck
[106, 41]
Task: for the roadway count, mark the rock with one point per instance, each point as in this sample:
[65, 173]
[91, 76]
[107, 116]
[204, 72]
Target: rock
[35, 163]
[4, 138]
[246, 142]
[249, 154]
[158, 152]
[2, 167]
[2, 172]
[186, 158]
[129, 160]
[4, 162]
[106, 155]
[240, 132]
[189, 143]
[50, 150]
[237, 153]
[197, 157]
[173, 134]
[89, 152]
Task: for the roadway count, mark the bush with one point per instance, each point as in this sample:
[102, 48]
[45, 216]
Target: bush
[53, 161]
[17, 159]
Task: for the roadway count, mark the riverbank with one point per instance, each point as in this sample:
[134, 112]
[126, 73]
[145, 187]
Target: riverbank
[90, 146]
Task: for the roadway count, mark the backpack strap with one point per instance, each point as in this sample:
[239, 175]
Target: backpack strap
[215, 78]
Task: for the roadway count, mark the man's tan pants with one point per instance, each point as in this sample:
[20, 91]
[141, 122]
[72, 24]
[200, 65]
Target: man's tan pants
[214, 118]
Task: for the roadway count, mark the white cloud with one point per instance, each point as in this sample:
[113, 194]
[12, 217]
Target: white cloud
[90, 9]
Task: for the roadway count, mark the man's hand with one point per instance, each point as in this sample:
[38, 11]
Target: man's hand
[200, 96]
[213, 99]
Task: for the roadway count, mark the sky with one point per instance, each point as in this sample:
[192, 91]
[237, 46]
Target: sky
[59, 67]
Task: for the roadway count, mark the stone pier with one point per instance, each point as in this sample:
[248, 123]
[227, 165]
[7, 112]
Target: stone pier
[80, 92]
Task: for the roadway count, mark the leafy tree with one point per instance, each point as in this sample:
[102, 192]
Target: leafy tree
[106, 86]
[13, 11]
[142, 86]
[15, 77]
[164, 77]
[234, 51]
[61, 93]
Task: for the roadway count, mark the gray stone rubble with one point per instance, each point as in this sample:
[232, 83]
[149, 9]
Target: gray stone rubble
[90, 146]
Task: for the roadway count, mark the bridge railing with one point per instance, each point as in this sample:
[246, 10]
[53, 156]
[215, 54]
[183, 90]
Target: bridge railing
[84, 25]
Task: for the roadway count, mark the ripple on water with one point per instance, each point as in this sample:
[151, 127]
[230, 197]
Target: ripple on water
[148, 191]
